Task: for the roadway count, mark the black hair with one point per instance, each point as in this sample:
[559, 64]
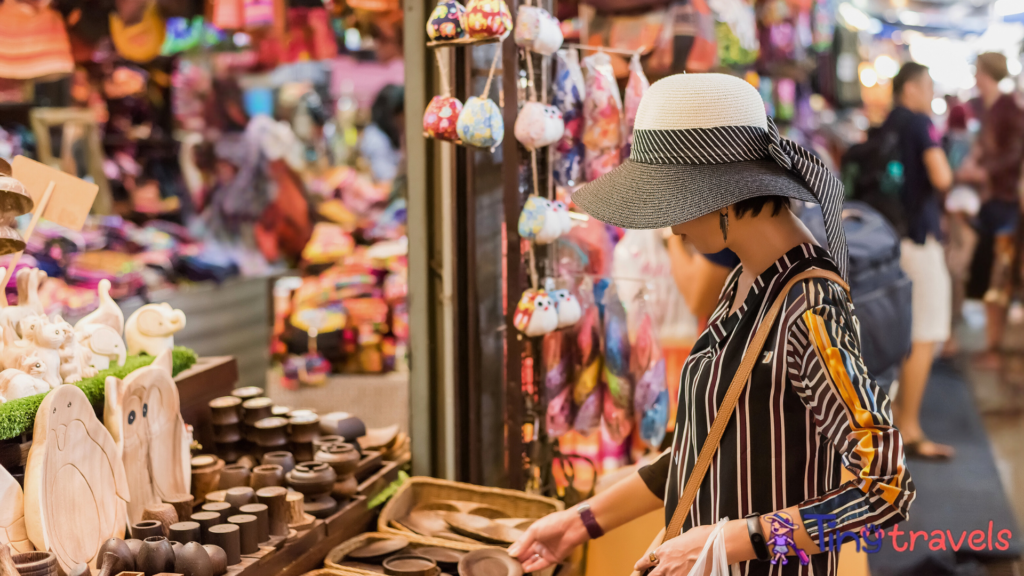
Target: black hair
[756, 204]
[390, 102]
[908, 73]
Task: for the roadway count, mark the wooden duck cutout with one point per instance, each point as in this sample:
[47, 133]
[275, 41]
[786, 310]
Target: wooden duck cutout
[24, 380]
[75, 486]
[143, 415]
[151, 328]
[28, 281]
[75, 359]
[42, 338]
[108, 313]
[12, 514]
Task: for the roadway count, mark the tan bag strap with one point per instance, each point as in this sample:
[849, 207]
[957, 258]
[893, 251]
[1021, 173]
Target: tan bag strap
[732, 396]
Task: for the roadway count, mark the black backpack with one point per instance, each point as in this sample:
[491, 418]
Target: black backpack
[879, 287]
[873, 173]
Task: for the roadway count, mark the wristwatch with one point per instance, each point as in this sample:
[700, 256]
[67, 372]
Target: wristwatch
[589, 522]
[757, 536]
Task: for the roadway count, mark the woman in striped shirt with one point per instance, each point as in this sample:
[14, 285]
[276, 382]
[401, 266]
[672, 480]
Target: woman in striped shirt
[809, 409]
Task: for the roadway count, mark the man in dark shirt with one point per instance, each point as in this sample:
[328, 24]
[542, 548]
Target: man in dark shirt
[926, 177]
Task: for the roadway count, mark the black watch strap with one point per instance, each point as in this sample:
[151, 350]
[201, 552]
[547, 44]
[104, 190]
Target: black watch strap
[757, 536]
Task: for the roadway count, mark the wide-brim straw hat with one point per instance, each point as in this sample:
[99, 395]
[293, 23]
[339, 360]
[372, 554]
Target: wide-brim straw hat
[702, 142]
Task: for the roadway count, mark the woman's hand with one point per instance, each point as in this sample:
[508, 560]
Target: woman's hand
[548, 540]
[677, 556]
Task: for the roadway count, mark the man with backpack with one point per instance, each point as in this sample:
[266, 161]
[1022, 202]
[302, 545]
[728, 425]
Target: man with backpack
[902, 171]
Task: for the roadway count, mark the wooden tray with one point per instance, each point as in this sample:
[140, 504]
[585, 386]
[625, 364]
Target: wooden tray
[368, 465]
[387, 474]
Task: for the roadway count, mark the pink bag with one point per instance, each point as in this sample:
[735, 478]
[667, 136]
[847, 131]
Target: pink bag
[602, 107]
[635, 88]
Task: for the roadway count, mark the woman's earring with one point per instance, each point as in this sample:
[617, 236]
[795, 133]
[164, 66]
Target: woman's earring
[723, 223]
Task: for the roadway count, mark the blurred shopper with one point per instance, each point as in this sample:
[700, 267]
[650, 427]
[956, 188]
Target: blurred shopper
[382, 141]
[962, 205]
[998, 169]
[926, 176]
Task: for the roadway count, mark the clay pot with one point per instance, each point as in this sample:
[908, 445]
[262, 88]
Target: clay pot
[227, 433]
[135, 545]
[271, 433]
[342, 457]
[193, 560]
[123, 552]
[176, 546]
[266, 475]
[256, 409]
[226, 536]
[262, 514]
[305, 427]
[155, 556]
[36, 564]
[147, 528]
[218, 559]
[346, 487]
[327, 440]
[247, 392]
[312, 479]
[248, 533]
[234, 475]
[186, 532]
[225, 410]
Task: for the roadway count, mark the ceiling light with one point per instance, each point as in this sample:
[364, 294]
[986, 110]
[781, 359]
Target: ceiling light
[868, 76]
[939, 106]
[886, 66]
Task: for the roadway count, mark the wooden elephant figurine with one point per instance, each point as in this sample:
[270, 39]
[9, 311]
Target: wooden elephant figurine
[104, 343]
[151, 328]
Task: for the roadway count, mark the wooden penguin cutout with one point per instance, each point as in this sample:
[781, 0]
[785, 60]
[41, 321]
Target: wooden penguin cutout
[12, 514]
[151, 328]
[108, 313]
[143, 415]
[75, 486]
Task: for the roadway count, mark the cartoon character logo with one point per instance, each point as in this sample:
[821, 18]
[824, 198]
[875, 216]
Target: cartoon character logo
[781, 539]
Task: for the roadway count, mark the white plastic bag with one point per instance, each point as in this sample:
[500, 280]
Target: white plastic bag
[716, 547]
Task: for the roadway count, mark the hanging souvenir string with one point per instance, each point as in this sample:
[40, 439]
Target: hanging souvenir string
[446, 88]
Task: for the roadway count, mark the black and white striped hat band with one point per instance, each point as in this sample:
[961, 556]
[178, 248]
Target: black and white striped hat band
[725, 144]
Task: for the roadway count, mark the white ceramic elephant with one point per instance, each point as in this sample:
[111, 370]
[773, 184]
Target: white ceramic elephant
[108, 313]
[104, 343]
[151, 329]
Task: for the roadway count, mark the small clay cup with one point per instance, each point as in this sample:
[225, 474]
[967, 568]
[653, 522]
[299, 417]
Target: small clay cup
[239, 496]
[155, 556]
[193, 560]
[342, 457]
[312, 479]
[266, 475]
[247, 392]
[248, 533]
[218, 559]
[303, 427]
[234, 475]
[282, 458]
[225, 410]
[262, 514]
[147, 528]
[119, 548]
[256, 409]
[271, 434]
[227, 433]
[185, 532]
[227, 537]
[36, 563]
[206, 520]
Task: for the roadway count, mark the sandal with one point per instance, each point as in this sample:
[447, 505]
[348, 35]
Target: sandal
[913, 450]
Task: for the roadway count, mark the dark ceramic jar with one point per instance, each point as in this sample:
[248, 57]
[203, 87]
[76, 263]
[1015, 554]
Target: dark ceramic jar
[120, 549]
[218, 559]
[266, 475]
[155, 556]
[282, 458]
[312, 479]
[147, 528]
[305, 427]
[135, 545]
[257, 409]
[234, 475]
[225, 410]
[271, 433]
[342, 457]
[326, 441]
[193, 560]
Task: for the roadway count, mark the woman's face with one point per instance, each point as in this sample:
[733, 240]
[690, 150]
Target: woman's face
[704, 233]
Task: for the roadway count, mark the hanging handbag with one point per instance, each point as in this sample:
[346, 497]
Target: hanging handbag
[725, 411]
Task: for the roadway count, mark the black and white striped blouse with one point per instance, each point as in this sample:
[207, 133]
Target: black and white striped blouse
[809, 409]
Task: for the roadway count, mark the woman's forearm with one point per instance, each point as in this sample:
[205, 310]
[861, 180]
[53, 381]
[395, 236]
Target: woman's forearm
[624, 501]
[737, 537]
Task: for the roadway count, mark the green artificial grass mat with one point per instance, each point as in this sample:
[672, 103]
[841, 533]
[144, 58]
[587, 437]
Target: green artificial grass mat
[18, 416]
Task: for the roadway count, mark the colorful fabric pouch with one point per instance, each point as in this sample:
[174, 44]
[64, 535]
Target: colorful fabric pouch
[488, 18]
[447, 21]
